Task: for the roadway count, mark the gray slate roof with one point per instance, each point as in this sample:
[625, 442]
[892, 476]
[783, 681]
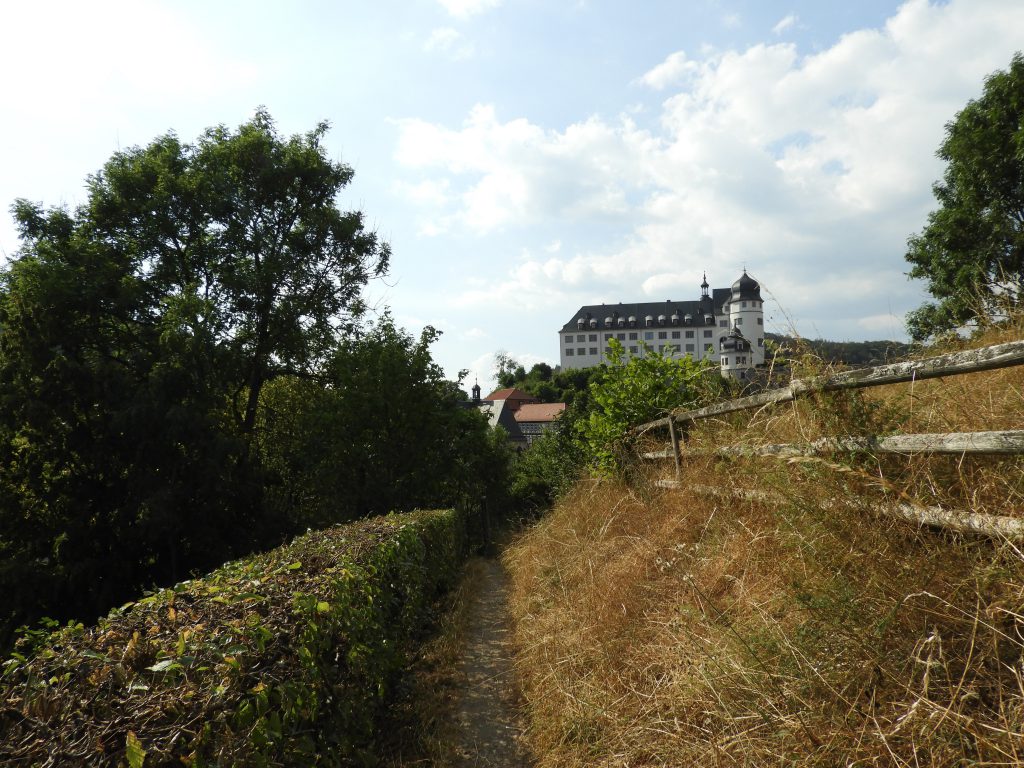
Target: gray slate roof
[640, 311]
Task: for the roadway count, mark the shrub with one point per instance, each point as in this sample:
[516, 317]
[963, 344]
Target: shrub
[286, 658]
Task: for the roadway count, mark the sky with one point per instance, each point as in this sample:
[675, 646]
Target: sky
[526, 157]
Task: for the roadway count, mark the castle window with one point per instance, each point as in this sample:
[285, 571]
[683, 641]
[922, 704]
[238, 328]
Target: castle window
[581, 351]
[725, 361]
[621, 336]
[593, 350]
[760, 342]
[632, 350]
[607, 336]
[622, 322]
[689, 347]
[709, 348]
[662, 334]
[570, 352]
[723, 323]
[661, 319]
[648, 335]
[633, 336]
[739, 321]
[760, 321]
[743, 304]
[675, 334]
[689, 334]
[593, 323]
[581, 337]
[707, 334]
[593, 337]
[649, 321]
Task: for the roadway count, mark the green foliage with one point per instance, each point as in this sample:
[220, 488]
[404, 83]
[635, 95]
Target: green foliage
[972, 250]
[288, 658]
[550, 467]
[137, 333]
[631, 392]
[569, 386]
[381, 430]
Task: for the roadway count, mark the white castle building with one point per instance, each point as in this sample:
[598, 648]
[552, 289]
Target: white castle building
[725, 326]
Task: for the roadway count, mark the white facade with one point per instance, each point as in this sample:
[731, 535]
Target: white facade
[695, 328]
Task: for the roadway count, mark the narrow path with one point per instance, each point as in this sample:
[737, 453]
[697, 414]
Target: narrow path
[489, 733]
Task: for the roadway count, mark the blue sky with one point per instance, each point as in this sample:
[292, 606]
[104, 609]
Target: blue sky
[526, 157]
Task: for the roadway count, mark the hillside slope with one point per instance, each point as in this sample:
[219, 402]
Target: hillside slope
[686, 628]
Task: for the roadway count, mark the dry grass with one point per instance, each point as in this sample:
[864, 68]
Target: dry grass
[672, 628]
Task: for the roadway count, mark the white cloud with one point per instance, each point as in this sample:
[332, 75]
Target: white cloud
[787, 22]
[812, 170]
[669, 72]
[115, 52]
[449, 42]
[463, 9]
[731, 20]
[520, 171]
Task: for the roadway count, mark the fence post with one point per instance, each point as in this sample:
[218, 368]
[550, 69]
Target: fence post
[675, 444]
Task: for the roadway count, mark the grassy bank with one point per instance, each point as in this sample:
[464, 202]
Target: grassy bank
[287, 658]
[677, 628]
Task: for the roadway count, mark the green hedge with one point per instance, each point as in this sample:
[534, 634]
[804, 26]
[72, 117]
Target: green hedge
[286, 658]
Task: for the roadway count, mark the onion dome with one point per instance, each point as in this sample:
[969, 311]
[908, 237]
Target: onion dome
[746, 289]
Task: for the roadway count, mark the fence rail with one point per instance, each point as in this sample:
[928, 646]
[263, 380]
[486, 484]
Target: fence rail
[970, 361]
[984, 443]
[1005, 442]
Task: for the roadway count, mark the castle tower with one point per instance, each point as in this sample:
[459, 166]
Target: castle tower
[746, 315]
[476, 392]
[735, 355]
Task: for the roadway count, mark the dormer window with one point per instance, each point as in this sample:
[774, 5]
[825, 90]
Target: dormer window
[675, 319]
[593, 323]
[649, 320]
[661, 319]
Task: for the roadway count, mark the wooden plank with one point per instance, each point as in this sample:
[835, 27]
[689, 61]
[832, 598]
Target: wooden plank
[729, 406]
[665, 453]
[962, 521]
[955, 363]
[1004, 442]
[674, 437]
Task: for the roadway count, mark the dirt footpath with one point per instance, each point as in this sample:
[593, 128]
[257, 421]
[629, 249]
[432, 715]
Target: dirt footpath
[489, 732]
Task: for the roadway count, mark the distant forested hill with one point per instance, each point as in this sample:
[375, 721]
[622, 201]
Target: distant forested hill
[852, 353]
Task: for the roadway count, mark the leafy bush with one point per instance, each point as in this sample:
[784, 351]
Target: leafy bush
[287, 658]
[636, 391]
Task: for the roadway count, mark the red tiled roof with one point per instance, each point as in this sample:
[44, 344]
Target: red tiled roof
[540, 411]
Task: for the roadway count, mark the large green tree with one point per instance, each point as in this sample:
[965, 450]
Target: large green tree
[136, 335]
[972, 250]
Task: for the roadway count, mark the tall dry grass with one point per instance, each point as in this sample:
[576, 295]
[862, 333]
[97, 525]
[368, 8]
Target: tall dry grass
[676, 628]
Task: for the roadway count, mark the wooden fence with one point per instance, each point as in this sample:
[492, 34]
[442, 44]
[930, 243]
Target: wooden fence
[1006, 442]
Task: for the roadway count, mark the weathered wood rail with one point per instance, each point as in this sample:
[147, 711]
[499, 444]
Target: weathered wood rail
[970, 361]
[1005, 442]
